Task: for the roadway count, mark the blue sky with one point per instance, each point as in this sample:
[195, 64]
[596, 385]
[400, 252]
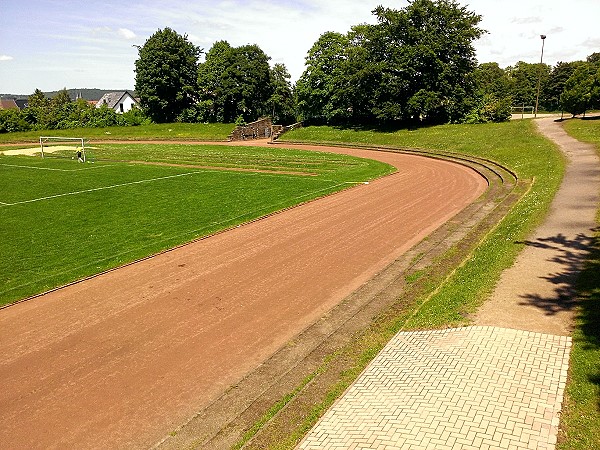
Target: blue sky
[51, 44]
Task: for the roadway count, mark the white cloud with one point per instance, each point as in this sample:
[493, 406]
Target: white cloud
[6, 58]
[526, 20]
[127, 34]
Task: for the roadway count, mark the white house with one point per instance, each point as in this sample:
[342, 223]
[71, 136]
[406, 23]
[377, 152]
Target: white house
[121, 101]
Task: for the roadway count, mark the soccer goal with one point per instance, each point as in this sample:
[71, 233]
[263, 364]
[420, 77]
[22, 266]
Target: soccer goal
[63, 147]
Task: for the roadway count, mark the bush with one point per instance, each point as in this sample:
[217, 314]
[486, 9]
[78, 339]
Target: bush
[12, 120]
[135, 117]
[490, 109]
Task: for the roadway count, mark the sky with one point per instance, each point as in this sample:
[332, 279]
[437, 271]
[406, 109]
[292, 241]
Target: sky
[52, 44]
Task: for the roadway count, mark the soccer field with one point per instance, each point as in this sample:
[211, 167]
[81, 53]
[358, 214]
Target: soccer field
[61, 220]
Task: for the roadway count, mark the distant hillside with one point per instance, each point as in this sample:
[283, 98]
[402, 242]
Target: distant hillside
[86, 94]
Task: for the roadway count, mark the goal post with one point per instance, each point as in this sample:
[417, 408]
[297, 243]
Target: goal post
[63, 143]
[522, 110]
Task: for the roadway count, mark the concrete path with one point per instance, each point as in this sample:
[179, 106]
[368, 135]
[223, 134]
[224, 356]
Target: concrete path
[498, 386]
[536, 293]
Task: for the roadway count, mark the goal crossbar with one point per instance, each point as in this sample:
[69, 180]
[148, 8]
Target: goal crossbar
[47, 139]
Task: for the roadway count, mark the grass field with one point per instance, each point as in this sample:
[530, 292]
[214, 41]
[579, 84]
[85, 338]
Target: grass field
[172, 131]
[61, 220]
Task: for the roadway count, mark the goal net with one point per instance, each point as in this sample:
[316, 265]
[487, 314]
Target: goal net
[63, 147]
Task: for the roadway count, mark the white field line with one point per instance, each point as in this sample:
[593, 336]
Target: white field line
[103, 188]
[54, 169]
[194, 234]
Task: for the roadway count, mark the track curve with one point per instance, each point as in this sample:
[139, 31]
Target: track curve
[121, 359]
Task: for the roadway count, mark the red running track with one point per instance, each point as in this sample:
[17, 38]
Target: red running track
[120, 360]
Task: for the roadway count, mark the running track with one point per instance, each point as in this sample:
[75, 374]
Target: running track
[120, 360]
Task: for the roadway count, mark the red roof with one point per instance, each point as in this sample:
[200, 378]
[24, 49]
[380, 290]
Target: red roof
[8, 104]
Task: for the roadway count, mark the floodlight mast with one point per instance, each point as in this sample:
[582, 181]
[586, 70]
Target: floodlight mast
[537, 97]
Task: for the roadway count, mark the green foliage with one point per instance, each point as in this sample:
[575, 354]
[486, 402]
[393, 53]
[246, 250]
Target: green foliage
[235, 81]
[61, 113]
[491, 79]
[282, 102]
[426, 53]
[582, 89]
[524, 78]
[415, 64]
[12, 120]
[490, 109]
[319, 88]
[166, 75]
[240, 122]
[552, 90]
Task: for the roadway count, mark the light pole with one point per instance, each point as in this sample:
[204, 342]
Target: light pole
[537, 97]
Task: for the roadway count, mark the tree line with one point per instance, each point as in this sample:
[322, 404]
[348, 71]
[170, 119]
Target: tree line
[414, 65]
[61, 112]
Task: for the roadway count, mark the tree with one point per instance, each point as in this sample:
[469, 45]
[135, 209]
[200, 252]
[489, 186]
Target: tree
[38, 106]
[426, 56]
[210, 82]
[492, 80]
[281, 101]
[555, 84]
[582, 89]
[167, 75]
[60, 109]
[492, 99]
[318, 89]
[524, 77]
[414, 64]
[252, 74]
[233, 82]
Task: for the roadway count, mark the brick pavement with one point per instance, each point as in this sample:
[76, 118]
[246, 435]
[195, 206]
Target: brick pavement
[466, 388]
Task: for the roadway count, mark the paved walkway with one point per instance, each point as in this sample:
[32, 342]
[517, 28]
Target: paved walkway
[498, 386]
[467, 388]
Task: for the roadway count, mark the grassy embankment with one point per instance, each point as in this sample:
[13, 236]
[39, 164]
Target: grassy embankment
[517, 146]
[580, 420]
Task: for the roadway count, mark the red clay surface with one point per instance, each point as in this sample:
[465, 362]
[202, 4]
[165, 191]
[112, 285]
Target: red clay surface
[120, 360]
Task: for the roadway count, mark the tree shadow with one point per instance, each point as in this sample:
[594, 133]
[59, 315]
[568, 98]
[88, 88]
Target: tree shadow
[577, 288]
[587, 335]
[571, 254]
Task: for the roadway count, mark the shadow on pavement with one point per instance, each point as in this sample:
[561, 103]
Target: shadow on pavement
[588, 317]
[571, 256]
[578, 286]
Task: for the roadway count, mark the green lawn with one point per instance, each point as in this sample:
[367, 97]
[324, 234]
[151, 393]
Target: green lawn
[61, 220]
[169, 131]
[580, 422]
